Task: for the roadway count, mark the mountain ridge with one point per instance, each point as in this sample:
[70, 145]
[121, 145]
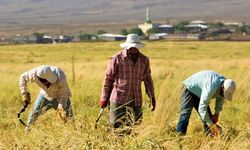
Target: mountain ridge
[71, 17]
[46, 12]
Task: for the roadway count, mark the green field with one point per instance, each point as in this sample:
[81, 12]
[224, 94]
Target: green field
[171, 62]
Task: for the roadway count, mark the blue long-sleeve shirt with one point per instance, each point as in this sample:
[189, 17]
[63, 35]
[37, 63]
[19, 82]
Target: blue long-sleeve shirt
[206, 85]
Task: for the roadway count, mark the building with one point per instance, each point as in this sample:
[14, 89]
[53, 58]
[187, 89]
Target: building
[147, 25]
[196, 28]
[44, 39]
[165, 28]
[4, 40]
[158, 28]
[31, 39]
[63, 39]
[233, 24]
[184, 37]
[111, 37]
[157, 36]
[198, 22]
[18, 39]
[218, 31]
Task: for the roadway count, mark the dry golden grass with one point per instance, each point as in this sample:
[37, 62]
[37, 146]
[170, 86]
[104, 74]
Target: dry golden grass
[171, 62]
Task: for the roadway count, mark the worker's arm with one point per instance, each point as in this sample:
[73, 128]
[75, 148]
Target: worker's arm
[218, 104]
[108, 82]
[26, 77]
[206, 95]
[64, 92]
[149, 85]
[218, 107]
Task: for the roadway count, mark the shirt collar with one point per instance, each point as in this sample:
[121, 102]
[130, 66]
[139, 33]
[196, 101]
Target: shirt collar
[124, 53]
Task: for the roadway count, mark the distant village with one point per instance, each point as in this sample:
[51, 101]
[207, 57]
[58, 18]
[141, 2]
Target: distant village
[181, 30]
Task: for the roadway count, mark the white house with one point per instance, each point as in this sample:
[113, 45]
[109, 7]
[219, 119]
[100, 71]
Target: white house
[195, 28]
[112, 37]
[198, 22]
[165, 28]
[158, 36]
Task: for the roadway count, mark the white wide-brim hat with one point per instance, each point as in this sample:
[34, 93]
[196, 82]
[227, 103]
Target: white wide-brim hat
[229, 89]
[45, 72]
[133, 40]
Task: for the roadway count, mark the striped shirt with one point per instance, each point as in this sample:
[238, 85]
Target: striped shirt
[123, 79]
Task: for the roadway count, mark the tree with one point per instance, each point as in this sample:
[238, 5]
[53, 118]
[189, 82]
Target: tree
[124, 32]
[218, 24]
[85, 36]
[180, 26]
[244, 28]
[152, 31]
[99, 32]
[148, 21]
[136, 31]
[37, 34]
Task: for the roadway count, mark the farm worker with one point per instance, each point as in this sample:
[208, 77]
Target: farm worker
[54, 92]
[122, 84]
[197, 91]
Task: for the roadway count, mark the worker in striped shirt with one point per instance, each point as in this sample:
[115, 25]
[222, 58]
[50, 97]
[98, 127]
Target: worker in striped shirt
[122, 84]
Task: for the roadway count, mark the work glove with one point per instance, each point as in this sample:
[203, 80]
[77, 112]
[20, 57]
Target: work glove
[26, 96]
[214, 132]
[153, 102]
[215, 118]
[26, 99]
[103, 103]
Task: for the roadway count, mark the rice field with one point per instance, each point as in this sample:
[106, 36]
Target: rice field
[85, 65]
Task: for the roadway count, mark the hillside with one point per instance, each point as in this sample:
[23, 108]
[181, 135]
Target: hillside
[49, 12]
[51, 17]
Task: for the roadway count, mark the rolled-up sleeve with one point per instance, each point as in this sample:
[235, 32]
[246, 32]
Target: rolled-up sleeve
[109, 79]
[148, 82]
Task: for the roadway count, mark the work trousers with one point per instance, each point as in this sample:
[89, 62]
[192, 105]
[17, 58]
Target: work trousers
[42, 104]
[188, 101]
[124, 114]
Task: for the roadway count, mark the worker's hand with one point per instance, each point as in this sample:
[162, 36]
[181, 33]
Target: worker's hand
[26, 96]
[215, 118]
[214, 132]
[103, 103]
[61, 113]
[153, 102]
[60, 106]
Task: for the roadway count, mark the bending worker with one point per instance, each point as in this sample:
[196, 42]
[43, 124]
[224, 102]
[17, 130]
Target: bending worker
[197, 91]
[54, 91]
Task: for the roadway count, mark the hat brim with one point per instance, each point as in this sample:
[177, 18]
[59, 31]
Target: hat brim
[228, 96]
[129, 45]
[48, 75]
